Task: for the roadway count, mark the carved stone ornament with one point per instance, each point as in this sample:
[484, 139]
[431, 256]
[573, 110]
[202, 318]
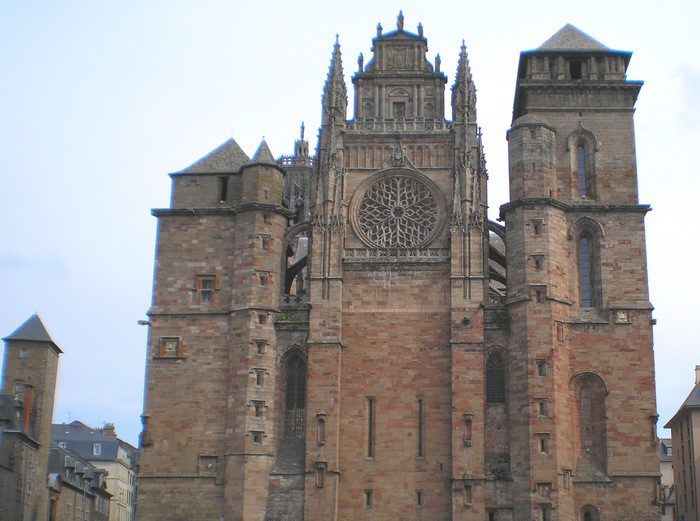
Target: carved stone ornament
[397, 208]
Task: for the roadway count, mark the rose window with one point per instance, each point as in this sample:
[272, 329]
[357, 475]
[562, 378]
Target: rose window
[397, 211]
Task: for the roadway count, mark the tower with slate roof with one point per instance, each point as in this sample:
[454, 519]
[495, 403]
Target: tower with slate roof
[347, 336]
[29, 376]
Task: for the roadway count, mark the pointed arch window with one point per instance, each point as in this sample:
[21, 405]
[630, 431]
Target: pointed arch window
[495, 379]
[582, 147]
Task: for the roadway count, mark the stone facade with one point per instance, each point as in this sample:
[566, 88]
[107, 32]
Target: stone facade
[349, 337]
[26, 408]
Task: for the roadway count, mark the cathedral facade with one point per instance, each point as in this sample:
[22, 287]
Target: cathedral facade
[347, 336]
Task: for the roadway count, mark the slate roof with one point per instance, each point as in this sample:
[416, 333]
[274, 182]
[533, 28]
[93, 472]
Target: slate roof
[8, 413]
[227, 158]
[263, 155]
[33, 330]
[691, 402]
[80, 438]
[570, 38]
[664, 453]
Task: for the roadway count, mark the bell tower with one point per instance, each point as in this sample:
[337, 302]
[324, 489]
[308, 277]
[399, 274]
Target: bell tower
[577, 283]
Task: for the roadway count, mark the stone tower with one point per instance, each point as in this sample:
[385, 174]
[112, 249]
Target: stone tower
[347, 336]
[29, 376]
[581, 359]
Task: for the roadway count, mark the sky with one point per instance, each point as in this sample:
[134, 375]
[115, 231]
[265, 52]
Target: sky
[100, 100]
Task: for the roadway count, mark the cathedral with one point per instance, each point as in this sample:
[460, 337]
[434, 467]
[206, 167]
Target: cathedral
[345, 335]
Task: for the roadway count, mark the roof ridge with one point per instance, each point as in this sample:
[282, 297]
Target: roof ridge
[571, 38]
[226, 158]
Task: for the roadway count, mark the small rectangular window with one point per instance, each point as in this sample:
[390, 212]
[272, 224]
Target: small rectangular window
[419, 498]
[258, 407]
[537, 226]
[541, 405]
[223, 189]
[96, 449]
[468, 499]
[266, 218]
[371, 412]
[259, 377]
[62, 444]
[576, 68]
[24, 353]
[204, 286]
[467, 430]
[264, 277]
[560, 332]
[538, 261]
[266, 243]
[262, 319]
[321, 431]
[256, 436]
[543, 443]
[399, 109]
[368, 499]
[541, 367]
[260, 346]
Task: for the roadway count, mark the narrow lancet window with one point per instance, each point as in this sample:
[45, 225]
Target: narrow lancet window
[584, 272]
[495, 379]
[371, 406]
[421, 451]
[581, 170]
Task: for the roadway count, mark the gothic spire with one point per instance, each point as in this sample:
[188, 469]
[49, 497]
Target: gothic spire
[463, 90]
[335, 97]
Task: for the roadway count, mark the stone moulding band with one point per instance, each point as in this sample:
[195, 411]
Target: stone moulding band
[396, 254]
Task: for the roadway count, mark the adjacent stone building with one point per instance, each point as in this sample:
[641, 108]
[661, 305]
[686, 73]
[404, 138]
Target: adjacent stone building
[102, 448]
[349, 337]
[685, 433]
[26, 408]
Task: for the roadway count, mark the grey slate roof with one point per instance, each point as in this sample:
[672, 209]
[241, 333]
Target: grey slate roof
[32, 330]
[263, 155]
[691, 402]
[227, 158]
[570, 38]
[80, 438]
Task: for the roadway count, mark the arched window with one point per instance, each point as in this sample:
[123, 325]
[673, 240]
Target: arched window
[495, 379]
[581, 170]
[589, 393]
[584, 271]
[589, 513]
[582, 145]
[295, 397]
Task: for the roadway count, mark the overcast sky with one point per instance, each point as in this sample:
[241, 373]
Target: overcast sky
[100, 100]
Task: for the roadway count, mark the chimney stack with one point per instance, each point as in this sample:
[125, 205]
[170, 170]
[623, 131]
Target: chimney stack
[697, 374]
[109, 430]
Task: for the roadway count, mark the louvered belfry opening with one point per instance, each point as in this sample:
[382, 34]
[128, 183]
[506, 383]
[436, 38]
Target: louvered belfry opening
[295, 400]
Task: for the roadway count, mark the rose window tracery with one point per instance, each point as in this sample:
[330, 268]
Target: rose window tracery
[397, 211]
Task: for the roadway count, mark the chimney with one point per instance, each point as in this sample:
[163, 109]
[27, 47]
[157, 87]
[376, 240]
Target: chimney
[110, 431]
[697, 374]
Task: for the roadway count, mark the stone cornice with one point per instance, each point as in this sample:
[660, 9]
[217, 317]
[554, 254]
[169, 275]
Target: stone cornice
[588, 207]
[222, 210]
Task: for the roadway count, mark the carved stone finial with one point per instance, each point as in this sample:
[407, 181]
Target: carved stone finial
[420, 29]
[438, 62]
[399, 21]
[379, 29]
[302, 130]
[337, 39]
[361, 63]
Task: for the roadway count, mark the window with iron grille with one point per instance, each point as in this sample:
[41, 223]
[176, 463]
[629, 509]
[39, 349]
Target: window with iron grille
[295, 400]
